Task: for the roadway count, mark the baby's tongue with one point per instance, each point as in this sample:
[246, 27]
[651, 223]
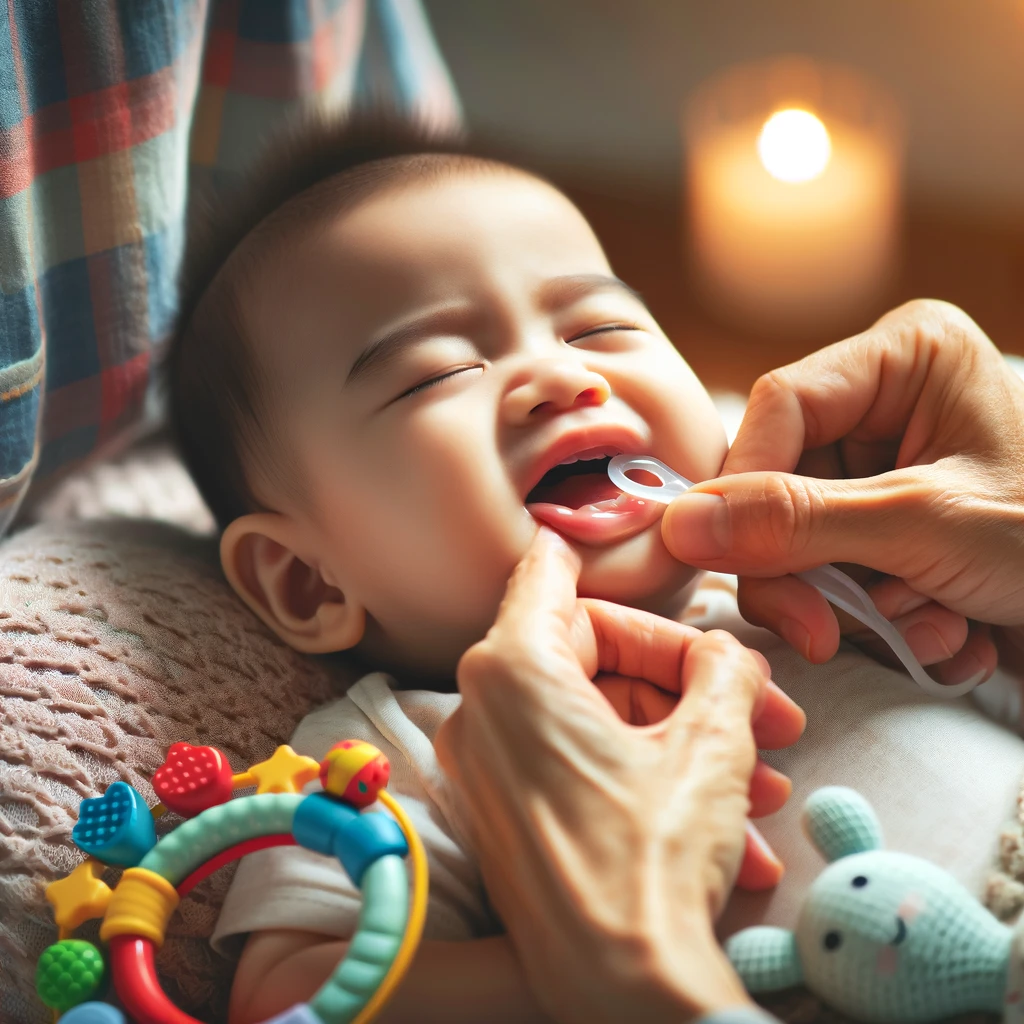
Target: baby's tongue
[577, 491]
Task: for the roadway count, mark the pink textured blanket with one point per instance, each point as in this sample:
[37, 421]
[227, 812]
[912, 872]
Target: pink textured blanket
[116, 639]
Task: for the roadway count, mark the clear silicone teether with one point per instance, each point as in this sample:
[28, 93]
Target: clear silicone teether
[833, 584]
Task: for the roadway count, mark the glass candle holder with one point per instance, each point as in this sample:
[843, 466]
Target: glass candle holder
[793, 182]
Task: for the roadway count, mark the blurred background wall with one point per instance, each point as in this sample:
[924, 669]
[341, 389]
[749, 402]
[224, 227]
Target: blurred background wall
[595, 86]
[592, 91]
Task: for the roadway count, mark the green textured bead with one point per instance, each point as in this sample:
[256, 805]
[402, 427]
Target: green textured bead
[70, 972]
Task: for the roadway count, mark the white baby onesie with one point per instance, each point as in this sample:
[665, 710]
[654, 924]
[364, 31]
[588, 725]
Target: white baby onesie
[942, 777]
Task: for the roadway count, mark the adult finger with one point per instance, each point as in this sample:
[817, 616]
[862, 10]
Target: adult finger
[780, 721]
[793, 610]
[639, 645]
[640, 704]
[769, 524]
[761, 869]
[535, 641]
[635, 701]
[977, 657]
[542, 586]
[797, 612]
[722, 686]
[863, 389]
[769, 790]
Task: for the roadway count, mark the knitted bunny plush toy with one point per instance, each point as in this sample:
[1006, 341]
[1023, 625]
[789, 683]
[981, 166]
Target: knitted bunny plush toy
[884, 936]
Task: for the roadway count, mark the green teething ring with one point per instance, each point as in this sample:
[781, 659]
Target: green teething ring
[383, 916]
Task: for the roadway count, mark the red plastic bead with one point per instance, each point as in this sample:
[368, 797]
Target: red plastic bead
[355, 771]
[192, 779]
[368, 782]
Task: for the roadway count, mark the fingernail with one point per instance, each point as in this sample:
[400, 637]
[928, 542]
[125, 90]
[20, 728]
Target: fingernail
[700, 527]
[762, 843]
[796, 636]
[927, 643]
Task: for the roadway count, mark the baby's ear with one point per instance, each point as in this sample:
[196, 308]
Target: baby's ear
[766, 959]
[840, 822]
[257, 553]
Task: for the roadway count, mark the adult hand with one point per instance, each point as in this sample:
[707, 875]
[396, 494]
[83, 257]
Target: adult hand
[608, 848]
[909, 444]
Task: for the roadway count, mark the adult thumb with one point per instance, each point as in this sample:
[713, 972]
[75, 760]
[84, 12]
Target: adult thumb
[768, 524]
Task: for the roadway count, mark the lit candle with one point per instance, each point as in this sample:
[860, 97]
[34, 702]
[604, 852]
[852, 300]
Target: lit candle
[794, 186]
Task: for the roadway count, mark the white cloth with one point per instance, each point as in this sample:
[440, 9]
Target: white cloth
[942, 777]
[290, 887]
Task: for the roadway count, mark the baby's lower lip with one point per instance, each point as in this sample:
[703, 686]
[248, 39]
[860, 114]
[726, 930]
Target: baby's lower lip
[602, 523]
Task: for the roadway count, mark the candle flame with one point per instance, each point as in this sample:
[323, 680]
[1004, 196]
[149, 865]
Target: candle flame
[794, 145]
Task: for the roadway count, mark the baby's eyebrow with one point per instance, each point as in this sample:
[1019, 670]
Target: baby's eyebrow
[561, 291]
[384, 349]
[554, 293]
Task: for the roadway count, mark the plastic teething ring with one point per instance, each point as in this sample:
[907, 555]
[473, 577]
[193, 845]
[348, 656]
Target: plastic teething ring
[371, 848]
[179, 856]
[133, 958]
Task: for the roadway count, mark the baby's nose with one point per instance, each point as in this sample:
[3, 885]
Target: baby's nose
[554, 387]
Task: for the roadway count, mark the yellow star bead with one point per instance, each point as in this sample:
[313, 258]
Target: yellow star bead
[284, 772]
[80, 896]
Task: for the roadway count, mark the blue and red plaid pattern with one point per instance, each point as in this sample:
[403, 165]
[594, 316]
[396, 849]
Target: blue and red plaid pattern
[111, 113]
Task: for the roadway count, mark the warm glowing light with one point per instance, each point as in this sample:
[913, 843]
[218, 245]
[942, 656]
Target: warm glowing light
[794, 146]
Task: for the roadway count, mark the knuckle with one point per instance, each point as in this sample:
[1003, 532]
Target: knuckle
[712, 728]
[937, 326]
[725, 749]
[742, 663]
[929, 494]
[480, 662]
[770, 387]
[921, 310]
[722, 640]
[786, 389]
[788, 511]
[798, 388]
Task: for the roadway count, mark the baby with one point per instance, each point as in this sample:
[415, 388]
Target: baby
[395, 362]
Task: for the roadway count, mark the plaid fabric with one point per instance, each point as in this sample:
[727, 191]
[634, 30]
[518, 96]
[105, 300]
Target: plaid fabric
[111, 111]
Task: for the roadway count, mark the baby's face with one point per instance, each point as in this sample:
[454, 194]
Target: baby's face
[441, 348]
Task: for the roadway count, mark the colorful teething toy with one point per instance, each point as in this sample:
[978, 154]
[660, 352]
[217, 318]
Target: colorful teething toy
[884, 936]
[197, 782]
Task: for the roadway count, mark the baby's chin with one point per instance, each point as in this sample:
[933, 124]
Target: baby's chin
[638, 572]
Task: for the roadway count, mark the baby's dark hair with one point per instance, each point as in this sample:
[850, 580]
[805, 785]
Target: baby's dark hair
[219, 404]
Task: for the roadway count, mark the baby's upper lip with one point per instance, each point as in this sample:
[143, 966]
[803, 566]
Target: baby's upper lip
[616, 438]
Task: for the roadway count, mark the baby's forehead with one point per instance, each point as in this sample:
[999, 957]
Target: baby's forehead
[418, 242]
[463, 206]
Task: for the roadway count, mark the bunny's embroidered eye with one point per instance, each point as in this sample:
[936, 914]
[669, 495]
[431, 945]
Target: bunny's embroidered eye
[833, 940]
[859, 882]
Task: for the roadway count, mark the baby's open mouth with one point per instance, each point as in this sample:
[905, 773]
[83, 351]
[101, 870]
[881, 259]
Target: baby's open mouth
[573, 484]
[579, 500]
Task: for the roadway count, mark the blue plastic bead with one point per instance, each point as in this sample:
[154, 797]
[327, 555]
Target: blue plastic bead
[116, 828]
[328, 826]
[317, 819]
[93, 1013]
[364, 840]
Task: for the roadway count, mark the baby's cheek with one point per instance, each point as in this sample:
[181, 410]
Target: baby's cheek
[688, 434]
[639, 572]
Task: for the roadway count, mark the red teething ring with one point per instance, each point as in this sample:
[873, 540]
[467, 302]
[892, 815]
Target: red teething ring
[133, 959]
